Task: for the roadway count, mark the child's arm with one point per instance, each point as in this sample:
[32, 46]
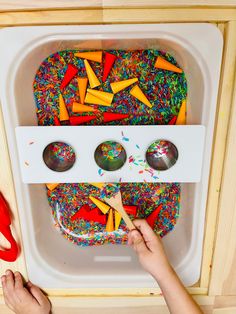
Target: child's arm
[153, 259]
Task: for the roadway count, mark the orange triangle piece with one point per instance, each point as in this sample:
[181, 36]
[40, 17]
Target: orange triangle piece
[102, 206]
[93, 80]
[118, 86]
[76, 107]
[52, 186]
[99, 185]
[63, 113]
[181, 119]
[82, 84]
[90, 55]
[105, 96]
[91, 99]
[138, 93]
[117, 220]
[163, 64]
[110, 222]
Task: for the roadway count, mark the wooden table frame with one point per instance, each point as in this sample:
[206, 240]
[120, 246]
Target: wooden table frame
[219, 254]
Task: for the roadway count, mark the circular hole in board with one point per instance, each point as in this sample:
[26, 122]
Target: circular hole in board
[59, 156]
[161, 155]
[110, 155]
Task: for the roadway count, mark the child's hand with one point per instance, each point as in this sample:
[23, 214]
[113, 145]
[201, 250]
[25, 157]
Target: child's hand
[149, 248]
[153, 259]
[23, 300]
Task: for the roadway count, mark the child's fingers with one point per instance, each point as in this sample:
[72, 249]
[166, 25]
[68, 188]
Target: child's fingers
[20, 290]
[18, 280]
[8, 298]
[10, 283]
[37, 293]
[146, 231]
[130, 238]
[137, 242]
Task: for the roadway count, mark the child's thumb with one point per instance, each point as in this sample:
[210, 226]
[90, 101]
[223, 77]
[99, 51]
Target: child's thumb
[138, 242]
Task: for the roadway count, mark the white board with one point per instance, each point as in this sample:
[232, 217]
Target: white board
[189, 140]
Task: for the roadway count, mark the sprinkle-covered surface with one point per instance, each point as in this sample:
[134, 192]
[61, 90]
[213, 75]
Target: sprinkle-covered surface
[67, 198]
[161, 155]
[109, 190]
[111, 150]
[165, 90]
[59, 153]
[110, 155]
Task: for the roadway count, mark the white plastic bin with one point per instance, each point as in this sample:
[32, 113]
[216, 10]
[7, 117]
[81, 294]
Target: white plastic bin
[51, 260]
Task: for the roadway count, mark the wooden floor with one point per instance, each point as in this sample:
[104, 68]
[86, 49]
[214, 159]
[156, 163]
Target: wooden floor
[221, 204]
[207, 309]
[131, 305]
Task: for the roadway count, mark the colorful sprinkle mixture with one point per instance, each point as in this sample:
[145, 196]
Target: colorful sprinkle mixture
[59, 156]
[111, 150]
[61, 152]
[159, 149]
[110, 155]
[109, 190]
[161, 155]
[164, 89]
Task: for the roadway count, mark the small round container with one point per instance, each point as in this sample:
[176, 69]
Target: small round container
[59, 156]
[110, 155]
[161, 155]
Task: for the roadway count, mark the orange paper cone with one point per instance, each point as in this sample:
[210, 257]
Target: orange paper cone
[76, 107]
[110, 222]
[98, 185]
[181, 119]
[107, 97]
[165, 65]
[52, 186]
[102, 206]
[93, 55]
[118, 86]
[117, 220]
[82, 84]
[90, 99]
[63, 113]
[93, 80]
[137, 93]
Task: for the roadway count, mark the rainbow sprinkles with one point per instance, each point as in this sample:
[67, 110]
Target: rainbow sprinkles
[115, 87]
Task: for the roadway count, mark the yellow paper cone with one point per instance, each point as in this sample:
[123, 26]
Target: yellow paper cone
[107, 97]
[90, 99]
[181, 119]
[166, 65]
[102, 206]
[82, 84]
[52, 186]
[63, 113]
[117, 220]
[110, 222]
[137, 93]
[76, 107]
[93, 80]
[118, 86]
[98, 185]
[93, 55]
